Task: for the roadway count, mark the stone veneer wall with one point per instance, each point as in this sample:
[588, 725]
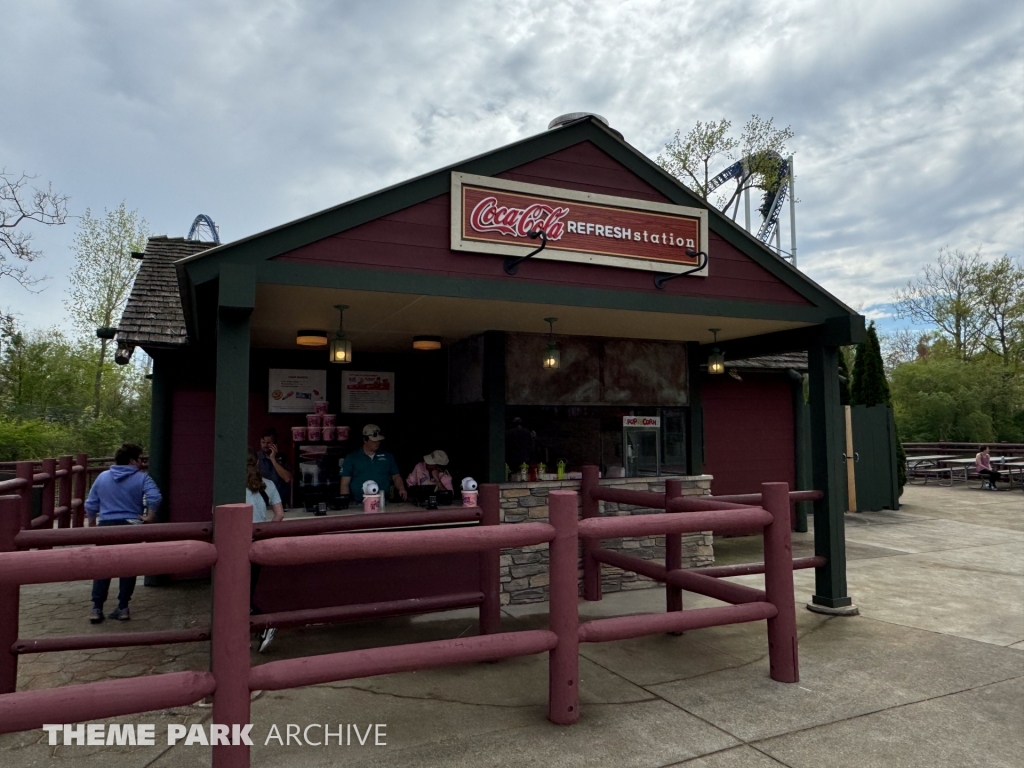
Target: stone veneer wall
[524, 571]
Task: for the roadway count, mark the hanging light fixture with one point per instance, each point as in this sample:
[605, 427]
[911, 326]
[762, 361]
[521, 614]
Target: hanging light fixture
[310, 338]
[341, 348]
[427, 343]
[716, 360]
[552, 357]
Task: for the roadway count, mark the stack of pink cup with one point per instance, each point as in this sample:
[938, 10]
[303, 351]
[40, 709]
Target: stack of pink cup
[313, 426]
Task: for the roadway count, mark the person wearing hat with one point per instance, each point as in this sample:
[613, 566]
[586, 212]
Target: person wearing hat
[431, 471]
[371, 463]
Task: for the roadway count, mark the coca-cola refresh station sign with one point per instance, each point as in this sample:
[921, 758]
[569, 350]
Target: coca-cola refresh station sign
[494, 215]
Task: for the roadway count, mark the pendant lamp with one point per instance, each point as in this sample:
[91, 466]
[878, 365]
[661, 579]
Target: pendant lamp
[716, 360]
[552, 356]
[341, 348]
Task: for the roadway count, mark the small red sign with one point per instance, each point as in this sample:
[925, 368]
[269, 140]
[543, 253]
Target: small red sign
[498, 216]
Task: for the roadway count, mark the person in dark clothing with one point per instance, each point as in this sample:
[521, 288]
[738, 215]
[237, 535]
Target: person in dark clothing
[123, 495]
[272, 464]
[518, 445]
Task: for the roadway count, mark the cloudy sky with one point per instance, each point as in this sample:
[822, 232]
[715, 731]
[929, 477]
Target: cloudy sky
[909, 116]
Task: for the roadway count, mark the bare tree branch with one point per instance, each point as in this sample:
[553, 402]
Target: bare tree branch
[20, 204]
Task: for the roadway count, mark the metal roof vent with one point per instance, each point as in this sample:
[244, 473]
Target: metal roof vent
[571, 117]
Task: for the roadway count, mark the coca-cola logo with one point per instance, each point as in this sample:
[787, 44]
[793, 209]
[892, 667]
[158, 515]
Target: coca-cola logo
[490, 216]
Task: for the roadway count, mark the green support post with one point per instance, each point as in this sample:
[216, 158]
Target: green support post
[237, 293]
[160, 428]
[160, 445]
[494, 399]
[829, 475]
[695, 412]
[801, 448]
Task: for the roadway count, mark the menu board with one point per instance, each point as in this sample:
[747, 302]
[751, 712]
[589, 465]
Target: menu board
[295, 391]
[367, 392]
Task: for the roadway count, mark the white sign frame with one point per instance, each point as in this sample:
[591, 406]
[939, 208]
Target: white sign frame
[641, 422]
[297, 388]
[375, 400]
[460, 179]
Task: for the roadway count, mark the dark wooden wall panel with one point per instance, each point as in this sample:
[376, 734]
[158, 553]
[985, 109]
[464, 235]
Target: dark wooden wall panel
[191, 474]
[748, 432]
[417, 239]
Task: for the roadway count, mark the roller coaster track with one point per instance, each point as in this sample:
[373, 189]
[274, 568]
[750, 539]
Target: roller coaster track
[771, 202]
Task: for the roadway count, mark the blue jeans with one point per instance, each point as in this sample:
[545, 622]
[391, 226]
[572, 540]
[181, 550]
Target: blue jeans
[125, 584]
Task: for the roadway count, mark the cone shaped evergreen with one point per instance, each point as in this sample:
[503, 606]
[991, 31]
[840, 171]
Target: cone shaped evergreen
[870, 387]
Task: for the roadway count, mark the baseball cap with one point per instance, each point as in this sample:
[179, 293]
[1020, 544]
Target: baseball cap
[440, 458]
[372, 432]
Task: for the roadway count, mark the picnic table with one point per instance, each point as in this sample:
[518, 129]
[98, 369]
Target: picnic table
[966, 464]
[928, 466]
[1012, 467]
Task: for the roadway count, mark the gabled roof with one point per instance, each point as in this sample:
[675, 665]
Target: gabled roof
[153, 317]
[318, 226]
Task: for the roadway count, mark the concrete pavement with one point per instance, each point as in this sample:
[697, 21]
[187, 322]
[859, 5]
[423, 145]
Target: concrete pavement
[931, 673]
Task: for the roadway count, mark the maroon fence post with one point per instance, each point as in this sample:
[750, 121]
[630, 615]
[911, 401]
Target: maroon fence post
[490, 563]
[673, 552]
[64, 492]
[49, 502]
[563, 611]
[10, 592]
[25, 472]
[229, 651]
[591, 508]
[78, 489]
[778, 585]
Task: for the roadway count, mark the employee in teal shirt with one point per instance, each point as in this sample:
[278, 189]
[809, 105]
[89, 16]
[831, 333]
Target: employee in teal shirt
[371, 463]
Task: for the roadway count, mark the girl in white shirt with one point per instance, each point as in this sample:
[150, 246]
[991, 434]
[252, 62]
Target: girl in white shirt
[264, 498]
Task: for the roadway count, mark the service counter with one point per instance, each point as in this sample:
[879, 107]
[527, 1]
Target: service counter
[523, 571]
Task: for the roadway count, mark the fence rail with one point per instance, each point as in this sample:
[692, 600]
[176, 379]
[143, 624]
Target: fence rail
[235, 544]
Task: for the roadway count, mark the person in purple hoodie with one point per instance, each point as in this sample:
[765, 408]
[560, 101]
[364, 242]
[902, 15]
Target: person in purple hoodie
[123, 495]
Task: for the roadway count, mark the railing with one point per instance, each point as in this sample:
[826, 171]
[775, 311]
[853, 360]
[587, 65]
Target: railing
[997, 449]
[236, 543]
[62, 481]
[12, 538]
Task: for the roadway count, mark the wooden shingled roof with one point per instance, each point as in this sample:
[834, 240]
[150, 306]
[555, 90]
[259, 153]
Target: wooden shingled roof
[786, 360]
[153, 316]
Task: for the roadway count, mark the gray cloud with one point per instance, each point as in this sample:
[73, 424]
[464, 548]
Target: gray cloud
[908, 116]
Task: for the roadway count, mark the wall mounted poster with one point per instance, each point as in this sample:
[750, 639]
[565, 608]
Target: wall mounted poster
[295, 391]
[367, 392]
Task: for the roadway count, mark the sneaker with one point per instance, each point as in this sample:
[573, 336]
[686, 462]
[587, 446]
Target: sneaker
[96, 617]
[119, 614]
[266, 637]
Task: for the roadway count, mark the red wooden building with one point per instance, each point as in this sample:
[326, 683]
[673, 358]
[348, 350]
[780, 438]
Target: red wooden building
[425, 261]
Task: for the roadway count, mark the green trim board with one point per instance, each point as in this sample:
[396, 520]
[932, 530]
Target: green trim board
[833, 331]
[274, 242]
[231, 416]
[285, 273]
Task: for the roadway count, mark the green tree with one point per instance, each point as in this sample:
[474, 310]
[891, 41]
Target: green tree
[844, 379]
[869, 387]
[102, 277]
[46, 398]
[1001, 285]
[949, 296]
[690, 158]
[940, 399]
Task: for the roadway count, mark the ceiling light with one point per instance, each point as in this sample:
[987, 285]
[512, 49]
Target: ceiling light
[552, 357]
[427, 343]
[341, 348]
[716, 360]
[308, 338]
